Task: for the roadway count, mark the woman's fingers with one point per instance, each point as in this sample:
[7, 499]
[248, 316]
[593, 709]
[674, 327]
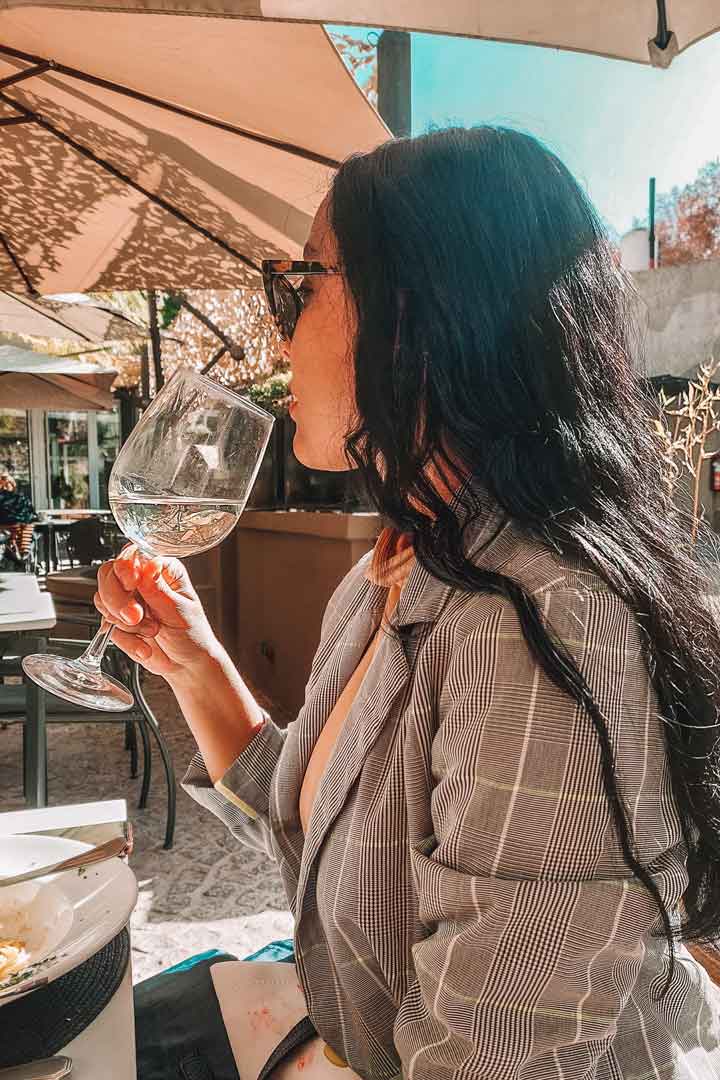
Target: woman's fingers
[148, 627]
[119, 602]
[136, 591]
[132, 645]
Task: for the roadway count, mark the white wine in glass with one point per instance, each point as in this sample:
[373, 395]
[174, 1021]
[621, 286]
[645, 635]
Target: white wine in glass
[178, 487]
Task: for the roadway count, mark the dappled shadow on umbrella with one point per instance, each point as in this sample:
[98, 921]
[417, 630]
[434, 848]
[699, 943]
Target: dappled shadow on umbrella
[63, 214]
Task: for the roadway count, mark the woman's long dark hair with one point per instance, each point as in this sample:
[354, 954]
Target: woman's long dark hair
[495, 327]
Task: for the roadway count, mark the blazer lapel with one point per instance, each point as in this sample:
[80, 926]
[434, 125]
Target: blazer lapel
[338, 655]
[384, 684]
[386, 680]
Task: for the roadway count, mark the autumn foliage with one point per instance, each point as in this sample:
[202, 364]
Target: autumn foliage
[688, 220]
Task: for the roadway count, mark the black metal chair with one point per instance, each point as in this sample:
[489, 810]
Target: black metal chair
[12, 710]
[17, 548]
[86, 542]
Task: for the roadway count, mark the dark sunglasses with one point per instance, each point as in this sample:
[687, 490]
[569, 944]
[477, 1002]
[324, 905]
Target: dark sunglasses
[285, 302]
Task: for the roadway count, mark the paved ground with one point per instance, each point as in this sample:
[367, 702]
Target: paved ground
[209, 891]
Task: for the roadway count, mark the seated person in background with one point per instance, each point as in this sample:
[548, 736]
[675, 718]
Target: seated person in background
[17, 514]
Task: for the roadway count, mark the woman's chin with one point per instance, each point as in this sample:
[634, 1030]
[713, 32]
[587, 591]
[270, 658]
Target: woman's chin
[324, 459]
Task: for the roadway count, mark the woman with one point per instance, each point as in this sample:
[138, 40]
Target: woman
[17, 515]
[503, 781]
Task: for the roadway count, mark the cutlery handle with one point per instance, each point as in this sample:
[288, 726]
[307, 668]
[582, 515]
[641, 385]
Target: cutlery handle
[109, 850]
[47, 1069]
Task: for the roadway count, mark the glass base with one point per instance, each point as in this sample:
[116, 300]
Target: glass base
[74, 681]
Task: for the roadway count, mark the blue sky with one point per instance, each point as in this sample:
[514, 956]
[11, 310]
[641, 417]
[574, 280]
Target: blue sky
[614, 124]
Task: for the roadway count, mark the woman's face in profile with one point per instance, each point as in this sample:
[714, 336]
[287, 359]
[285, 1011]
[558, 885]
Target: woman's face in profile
[321, 359]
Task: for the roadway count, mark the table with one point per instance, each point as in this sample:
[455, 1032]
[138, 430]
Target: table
[23, 607]
[27, 612]
[78, 585]
[75, 514]
[106, 1048]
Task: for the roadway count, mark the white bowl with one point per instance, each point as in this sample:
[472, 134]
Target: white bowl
[37, 913]
[79, 913]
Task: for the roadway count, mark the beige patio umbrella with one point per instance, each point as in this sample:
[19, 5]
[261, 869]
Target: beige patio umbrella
[644, 31]
[31, 380]
[72, 317]
[151, 152]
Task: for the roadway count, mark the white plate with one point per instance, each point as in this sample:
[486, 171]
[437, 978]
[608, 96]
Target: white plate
[92, 906]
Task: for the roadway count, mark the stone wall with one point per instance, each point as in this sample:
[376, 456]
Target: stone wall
[679, 314]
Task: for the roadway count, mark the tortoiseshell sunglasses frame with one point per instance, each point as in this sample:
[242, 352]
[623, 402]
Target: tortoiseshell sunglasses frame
[277, 270]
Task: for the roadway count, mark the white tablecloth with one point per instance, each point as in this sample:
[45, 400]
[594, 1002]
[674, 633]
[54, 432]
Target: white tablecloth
[22, 606]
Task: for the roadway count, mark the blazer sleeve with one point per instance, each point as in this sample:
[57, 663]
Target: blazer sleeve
[241, 797]
[531, 954]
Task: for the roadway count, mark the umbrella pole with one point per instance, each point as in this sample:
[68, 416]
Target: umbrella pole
[155, 340]
[395, 81]
[144, 376]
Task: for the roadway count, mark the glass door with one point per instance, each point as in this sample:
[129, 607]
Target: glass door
[108, 447]
[68, 460]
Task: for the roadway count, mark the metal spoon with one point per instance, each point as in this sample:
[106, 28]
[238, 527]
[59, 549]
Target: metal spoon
[117, 847]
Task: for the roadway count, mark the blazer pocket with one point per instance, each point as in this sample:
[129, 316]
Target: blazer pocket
[447, 893]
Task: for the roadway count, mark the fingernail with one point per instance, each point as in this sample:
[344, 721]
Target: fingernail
[129, 614]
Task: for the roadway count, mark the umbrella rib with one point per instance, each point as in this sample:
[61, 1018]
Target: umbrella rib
[38, 69]
[18, 265]
[63, 375]
[148, 99]
[51, 316]
[158, 200]
[206, 321]
[213, 360]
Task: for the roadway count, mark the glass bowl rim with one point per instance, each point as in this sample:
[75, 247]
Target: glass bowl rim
[218, 387]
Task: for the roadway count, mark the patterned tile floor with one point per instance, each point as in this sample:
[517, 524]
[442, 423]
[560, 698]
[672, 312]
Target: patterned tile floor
[209, 891]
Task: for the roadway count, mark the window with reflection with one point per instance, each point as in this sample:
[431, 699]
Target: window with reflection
[15, 448]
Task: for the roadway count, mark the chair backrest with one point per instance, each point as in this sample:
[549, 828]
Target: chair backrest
[21, 536]
[86, 541]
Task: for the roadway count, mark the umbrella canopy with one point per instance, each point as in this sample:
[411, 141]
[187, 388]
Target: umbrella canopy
[644, 31]
[30, 380]
[164, 152]
[68, 318]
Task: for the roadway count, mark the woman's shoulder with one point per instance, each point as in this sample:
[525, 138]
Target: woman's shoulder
[565, 587]
[567, 590]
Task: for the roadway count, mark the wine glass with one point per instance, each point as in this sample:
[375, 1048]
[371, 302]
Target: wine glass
[178, 487]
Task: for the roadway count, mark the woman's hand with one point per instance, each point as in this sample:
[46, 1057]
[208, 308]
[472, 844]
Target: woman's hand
[159, 619]
[160, 622]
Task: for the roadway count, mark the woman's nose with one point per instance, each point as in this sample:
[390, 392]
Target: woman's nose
[285, 350]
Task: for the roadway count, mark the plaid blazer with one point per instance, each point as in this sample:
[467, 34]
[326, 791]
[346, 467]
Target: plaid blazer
[462, 907]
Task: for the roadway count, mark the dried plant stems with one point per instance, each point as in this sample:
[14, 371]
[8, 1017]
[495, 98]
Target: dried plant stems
[684, 431]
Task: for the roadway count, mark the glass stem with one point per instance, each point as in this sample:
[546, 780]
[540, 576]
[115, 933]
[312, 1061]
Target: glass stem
[95, 651]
